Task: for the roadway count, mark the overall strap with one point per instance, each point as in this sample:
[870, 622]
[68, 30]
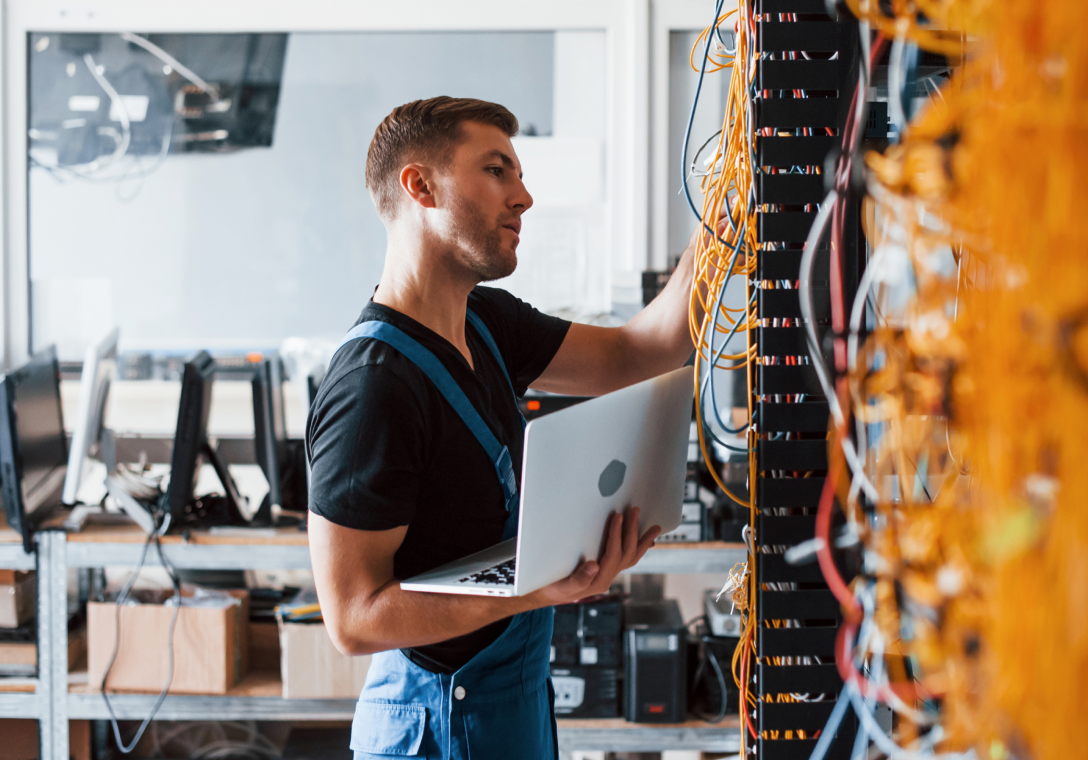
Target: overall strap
[484, 333]
[451, 391]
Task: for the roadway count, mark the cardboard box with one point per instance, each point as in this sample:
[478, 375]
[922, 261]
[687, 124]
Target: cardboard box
[211, 646]
[312, 668]
[17, 598]
[20, 658]
[21, 739]
[264, 646]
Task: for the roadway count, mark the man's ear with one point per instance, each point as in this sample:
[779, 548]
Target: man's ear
[416, 182]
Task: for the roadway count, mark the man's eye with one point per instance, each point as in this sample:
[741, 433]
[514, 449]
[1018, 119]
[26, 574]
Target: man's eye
[496, 170]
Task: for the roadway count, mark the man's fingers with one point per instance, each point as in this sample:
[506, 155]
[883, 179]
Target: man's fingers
[647, 541]
[577, 582]
[584, 574]
[630, 535]
[613, 547]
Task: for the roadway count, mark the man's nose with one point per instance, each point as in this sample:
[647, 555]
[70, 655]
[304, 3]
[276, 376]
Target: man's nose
[522, 198]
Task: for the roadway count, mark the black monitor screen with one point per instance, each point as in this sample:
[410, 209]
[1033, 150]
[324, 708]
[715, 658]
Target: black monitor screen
[191, 431]
[39, 426]
[270, 435]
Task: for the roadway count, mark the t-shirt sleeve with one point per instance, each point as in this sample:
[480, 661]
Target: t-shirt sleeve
[367, 446]
[527, 338]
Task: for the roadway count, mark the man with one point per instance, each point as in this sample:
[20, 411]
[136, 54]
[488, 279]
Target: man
[401, 483]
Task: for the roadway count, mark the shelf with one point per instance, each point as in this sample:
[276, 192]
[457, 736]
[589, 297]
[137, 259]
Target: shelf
[617, 735]
[239, 549]
[19, 698]
[704, 557]
[12, 556]
[256, 697]
[100, 546]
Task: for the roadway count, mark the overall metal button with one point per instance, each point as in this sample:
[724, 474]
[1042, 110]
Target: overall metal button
[459, 693]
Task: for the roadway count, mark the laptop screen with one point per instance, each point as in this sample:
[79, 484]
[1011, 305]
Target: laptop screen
[39, 427]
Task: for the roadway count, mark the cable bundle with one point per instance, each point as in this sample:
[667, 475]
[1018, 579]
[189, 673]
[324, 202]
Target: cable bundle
[727, 247]
[958, 450]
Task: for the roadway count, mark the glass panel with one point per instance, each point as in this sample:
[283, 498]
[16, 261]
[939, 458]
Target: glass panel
[254, 223]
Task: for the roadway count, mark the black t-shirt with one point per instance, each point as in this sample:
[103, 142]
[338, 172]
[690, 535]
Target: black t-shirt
[386, 449]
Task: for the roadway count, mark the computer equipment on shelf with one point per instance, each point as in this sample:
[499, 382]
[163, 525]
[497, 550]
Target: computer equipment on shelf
[655, 663]
[282, 461]
[191, 449]
[33, 446]
[722, 618]
[99, 372]
[713, 693]
[536, 404]
[586, 658]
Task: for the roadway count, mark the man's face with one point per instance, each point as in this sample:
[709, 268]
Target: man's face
[484, 201]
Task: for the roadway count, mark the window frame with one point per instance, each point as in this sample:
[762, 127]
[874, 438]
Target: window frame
[624, 22]
[666, 17]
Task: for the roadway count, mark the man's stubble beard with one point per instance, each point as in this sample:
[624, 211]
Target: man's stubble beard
[479, 244]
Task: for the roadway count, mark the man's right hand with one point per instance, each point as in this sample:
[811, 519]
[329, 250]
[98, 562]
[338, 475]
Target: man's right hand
[623, 549]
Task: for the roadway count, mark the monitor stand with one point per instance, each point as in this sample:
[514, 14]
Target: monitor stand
[268, 516]
[212, 510]
[234, 498]
[140, 513]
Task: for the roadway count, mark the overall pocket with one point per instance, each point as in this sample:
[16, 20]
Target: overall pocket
[388, 729]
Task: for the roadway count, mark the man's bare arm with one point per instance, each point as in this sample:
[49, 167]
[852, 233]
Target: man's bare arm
[366, 611]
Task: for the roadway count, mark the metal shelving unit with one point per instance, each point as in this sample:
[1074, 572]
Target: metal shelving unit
[711, 557]
[54, 703]
[619, 736]
[137, 706]
[22, 704]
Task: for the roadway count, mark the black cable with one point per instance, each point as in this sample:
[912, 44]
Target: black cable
[153, 537]
[722, 708]
[709, 656]
[695, 159]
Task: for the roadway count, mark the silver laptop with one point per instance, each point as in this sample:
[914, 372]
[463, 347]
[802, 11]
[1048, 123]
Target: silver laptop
[628, 448]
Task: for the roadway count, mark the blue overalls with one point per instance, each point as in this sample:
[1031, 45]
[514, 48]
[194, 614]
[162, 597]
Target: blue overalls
[499, 705]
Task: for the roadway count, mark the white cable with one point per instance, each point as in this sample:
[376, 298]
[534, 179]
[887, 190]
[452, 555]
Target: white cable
[805, 297]
[866, 77]
[122, 112]
[858, 309]
[209, 89]
[895, 84]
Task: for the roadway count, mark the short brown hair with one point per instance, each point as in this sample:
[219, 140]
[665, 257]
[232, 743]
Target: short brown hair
[423, 129]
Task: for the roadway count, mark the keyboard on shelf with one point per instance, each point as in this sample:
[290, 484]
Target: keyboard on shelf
[499, 575]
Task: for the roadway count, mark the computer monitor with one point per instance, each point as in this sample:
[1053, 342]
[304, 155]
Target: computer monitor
[270, 427]
[33, 448]
[99, 372]
[191, 433]
[191, 449]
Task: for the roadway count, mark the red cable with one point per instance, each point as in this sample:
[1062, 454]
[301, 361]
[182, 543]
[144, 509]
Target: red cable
[823, 552]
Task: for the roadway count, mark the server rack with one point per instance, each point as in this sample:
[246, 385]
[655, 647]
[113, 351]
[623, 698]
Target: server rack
[797, 615]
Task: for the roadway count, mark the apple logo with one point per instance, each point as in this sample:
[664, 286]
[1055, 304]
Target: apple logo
[611, 478]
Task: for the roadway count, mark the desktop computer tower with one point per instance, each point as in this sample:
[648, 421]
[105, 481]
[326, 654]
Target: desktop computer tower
[586, 659]
[655, 663]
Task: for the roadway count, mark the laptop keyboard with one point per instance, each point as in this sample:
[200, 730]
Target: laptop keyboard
[499, 575]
